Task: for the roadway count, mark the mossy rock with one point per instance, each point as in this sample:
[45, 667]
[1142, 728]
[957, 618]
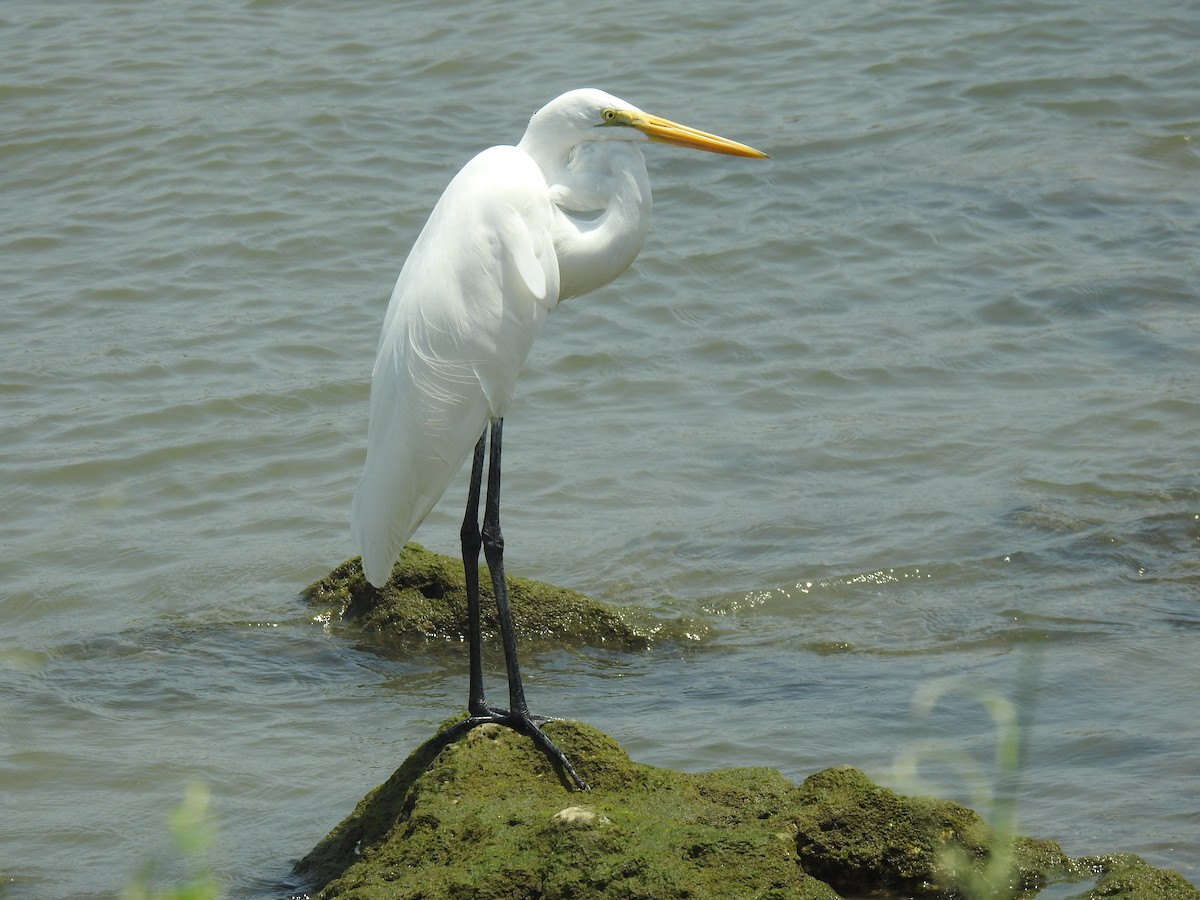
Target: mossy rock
[860, 837]
[488, 816]
[1129, 877]
[483, 814]
[426, 597]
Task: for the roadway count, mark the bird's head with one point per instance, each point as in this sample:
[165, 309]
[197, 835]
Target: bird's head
[594, 115]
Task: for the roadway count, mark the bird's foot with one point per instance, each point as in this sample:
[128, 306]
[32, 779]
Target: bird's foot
[530, 725]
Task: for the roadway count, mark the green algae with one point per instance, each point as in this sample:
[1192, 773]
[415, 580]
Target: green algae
[482, 814]
[1129, 877]
[426, 598]
[484, 817]
[860, 837]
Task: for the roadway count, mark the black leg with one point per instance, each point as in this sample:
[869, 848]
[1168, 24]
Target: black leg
[471, 542]
[517, 716]
[493, 550]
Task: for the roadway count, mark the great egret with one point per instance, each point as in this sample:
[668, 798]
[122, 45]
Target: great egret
[517, 231]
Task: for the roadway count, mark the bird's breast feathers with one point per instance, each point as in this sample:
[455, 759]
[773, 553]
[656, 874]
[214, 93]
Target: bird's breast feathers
[477, 284]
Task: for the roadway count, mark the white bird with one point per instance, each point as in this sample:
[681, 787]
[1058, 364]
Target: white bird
[517, 231]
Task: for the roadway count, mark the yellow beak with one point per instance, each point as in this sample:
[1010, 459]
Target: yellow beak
[667, 132]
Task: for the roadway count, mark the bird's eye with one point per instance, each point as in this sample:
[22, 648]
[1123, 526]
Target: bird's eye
[610, 115]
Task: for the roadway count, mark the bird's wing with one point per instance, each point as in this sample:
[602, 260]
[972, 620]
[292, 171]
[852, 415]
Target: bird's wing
[465, 310]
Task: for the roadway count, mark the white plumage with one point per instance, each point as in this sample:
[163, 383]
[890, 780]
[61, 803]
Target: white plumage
[516, 231]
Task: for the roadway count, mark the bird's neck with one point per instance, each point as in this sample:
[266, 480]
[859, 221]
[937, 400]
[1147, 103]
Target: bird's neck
[601, 196]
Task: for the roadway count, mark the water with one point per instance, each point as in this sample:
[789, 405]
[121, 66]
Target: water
[916, 399]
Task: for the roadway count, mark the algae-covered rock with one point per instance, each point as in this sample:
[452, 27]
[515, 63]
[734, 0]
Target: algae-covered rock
[860, 837]
[426, 598]
[1128, 877]
[483, 814]
[487, 816]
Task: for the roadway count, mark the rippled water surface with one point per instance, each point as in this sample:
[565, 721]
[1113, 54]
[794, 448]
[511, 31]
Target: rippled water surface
[916, 399]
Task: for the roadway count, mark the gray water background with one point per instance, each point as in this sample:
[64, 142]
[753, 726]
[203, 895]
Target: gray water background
[916, 399]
